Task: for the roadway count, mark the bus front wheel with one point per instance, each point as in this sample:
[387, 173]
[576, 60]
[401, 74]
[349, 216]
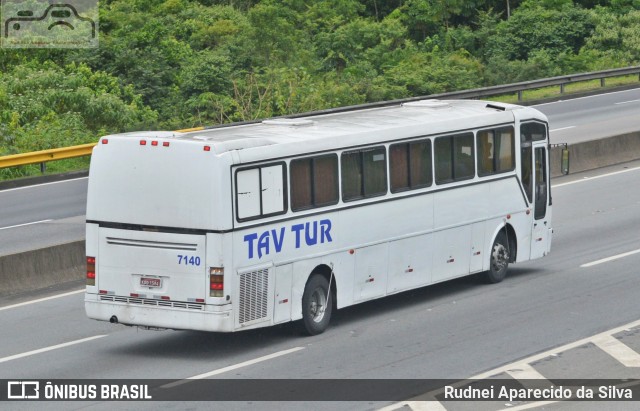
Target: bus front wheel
[498, 260]
[316, 305]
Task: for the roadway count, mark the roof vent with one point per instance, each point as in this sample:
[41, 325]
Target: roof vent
[496, 107]
[433, 104]
[290, 122]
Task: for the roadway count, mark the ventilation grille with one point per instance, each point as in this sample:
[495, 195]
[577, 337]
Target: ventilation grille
[254, 288]
[151, 244]
[149, 302]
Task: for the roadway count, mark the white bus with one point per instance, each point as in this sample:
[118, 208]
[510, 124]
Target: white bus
[251, 225]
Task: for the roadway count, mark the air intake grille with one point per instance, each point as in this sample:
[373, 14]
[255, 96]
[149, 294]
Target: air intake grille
[254, 288]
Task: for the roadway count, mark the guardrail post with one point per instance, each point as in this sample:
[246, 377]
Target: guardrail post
[602, 81]
[43, 167]
[519, 95]
[562, 88]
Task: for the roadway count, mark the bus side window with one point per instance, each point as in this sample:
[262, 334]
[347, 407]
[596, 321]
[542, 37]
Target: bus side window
[314, 182]
[443, 159]
[464, 166]
[260, 191]
[496, 151]
[364, 173]
[454, 157]
[410, 165]
[526, 170]
[248, 193]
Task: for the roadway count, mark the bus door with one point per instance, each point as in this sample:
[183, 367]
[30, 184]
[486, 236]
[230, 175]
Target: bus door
[541, 232]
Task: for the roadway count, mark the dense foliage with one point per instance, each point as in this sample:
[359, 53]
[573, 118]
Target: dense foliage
[168, 64]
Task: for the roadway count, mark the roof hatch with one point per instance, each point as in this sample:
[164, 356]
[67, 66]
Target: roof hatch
[289, 122]
[432, 104]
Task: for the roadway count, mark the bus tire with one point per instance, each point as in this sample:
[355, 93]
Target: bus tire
[316, 305]
[498, 260]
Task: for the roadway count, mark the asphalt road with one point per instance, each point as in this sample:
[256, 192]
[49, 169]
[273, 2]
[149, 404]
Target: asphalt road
[49, 214]
[593, 117]
[453, 330]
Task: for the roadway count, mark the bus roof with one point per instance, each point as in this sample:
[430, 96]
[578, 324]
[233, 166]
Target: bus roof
[346, 127]
[432, 116]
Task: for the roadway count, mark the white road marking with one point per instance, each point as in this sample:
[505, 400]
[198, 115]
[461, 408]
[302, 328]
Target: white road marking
[561, 128]
[41, 299]
[233, 367]
[618, 350]
[556, 350]
[627, 102]
[612, 258]
[524, 371]
[25, 224]
[43, 184]
[53, 347]
[416, 406]
[530, 405]
[595, 177]
[509, 367]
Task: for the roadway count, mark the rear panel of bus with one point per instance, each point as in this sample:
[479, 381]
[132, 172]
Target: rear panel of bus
[155, 221]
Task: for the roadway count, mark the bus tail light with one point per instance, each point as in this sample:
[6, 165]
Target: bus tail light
[91, 271]
[216, 281]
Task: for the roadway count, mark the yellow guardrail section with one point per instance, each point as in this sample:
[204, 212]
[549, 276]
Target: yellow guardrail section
[46, 155]
[57, 153]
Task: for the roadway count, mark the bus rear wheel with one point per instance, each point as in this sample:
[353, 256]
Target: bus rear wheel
[316, 305]
[498, 260]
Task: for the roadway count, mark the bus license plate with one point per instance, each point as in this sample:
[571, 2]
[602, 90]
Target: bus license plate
[150, 282]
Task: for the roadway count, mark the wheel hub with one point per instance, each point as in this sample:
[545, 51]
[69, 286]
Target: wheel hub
[499, 257]
[317, 305]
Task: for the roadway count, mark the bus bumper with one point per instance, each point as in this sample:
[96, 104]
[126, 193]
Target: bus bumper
[147, 314]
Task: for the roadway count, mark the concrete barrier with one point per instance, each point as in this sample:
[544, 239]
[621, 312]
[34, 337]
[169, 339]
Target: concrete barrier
[589, 155]
[38, 269]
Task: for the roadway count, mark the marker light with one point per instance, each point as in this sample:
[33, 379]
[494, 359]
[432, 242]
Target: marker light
[105, 141]
[154, 143]
[143, 142]
[165, 144]
[207, 148]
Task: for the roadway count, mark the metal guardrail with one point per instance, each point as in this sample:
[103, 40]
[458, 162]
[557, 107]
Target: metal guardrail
[46, 155]
[561, 81]
[43, 156]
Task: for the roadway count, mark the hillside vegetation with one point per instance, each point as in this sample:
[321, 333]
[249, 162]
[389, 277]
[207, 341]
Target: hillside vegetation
[184, 63]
